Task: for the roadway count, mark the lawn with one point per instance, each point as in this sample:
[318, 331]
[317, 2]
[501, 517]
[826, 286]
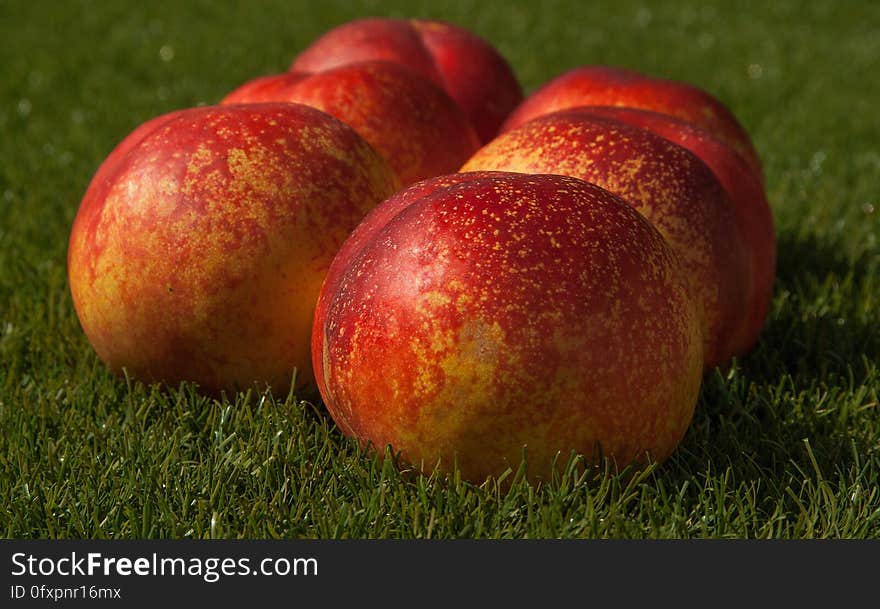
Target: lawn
[784, 444]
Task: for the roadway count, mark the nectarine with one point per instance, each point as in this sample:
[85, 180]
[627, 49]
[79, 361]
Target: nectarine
[473, 316]
[407, 118]
[754, 218]
[676, 191]
[607, 86]
[469, 69]
[200, 253]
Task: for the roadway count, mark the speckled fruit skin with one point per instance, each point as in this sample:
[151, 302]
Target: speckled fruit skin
[753, 213]
[471, 316]
[670, 186]
[407, 118]
[608, 86]
[199, 249]
[469, 69]
[100, 181]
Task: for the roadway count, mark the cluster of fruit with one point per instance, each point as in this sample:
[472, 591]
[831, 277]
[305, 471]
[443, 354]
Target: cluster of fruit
[466, 275]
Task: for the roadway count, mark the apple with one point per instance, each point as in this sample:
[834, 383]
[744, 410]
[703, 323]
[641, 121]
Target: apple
[408, 119]
[473, 317]
[467, 67]
[669, 185]
[198, 253]
[754, 218]
[608, 86]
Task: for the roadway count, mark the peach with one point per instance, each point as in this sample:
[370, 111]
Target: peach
[200, 253]
[469, 69]
[473, 318]
[670, 186]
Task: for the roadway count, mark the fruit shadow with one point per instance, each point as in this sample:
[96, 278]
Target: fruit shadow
[795, 402]
[814, 331]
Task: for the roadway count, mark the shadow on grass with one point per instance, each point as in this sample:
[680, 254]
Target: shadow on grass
[802, 258]
[816, 331]
[798, 400]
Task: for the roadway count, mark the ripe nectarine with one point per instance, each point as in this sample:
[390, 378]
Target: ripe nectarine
[473, 316]
[197, 254]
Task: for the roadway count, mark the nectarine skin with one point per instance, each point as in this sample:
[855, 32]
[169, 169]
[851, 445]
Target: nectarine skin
[468, 68]
[753, 213]
[263, 89]
[407, 118]
[608, 86]
[102, 179]
[670, 186]
[200, 256]
[475, 316]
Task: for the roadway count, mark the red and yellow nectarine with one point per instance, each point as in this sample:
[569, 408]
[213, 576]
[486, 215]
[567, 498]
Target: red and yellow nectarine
[469, 69]
[607, 86]
[473, 316]
[670, 186]
[198, 253]
[754, 217]
[408, 119]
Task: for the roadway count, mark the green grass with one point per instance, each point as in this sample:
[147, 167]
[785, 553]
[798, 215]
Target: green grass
[784, 444]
